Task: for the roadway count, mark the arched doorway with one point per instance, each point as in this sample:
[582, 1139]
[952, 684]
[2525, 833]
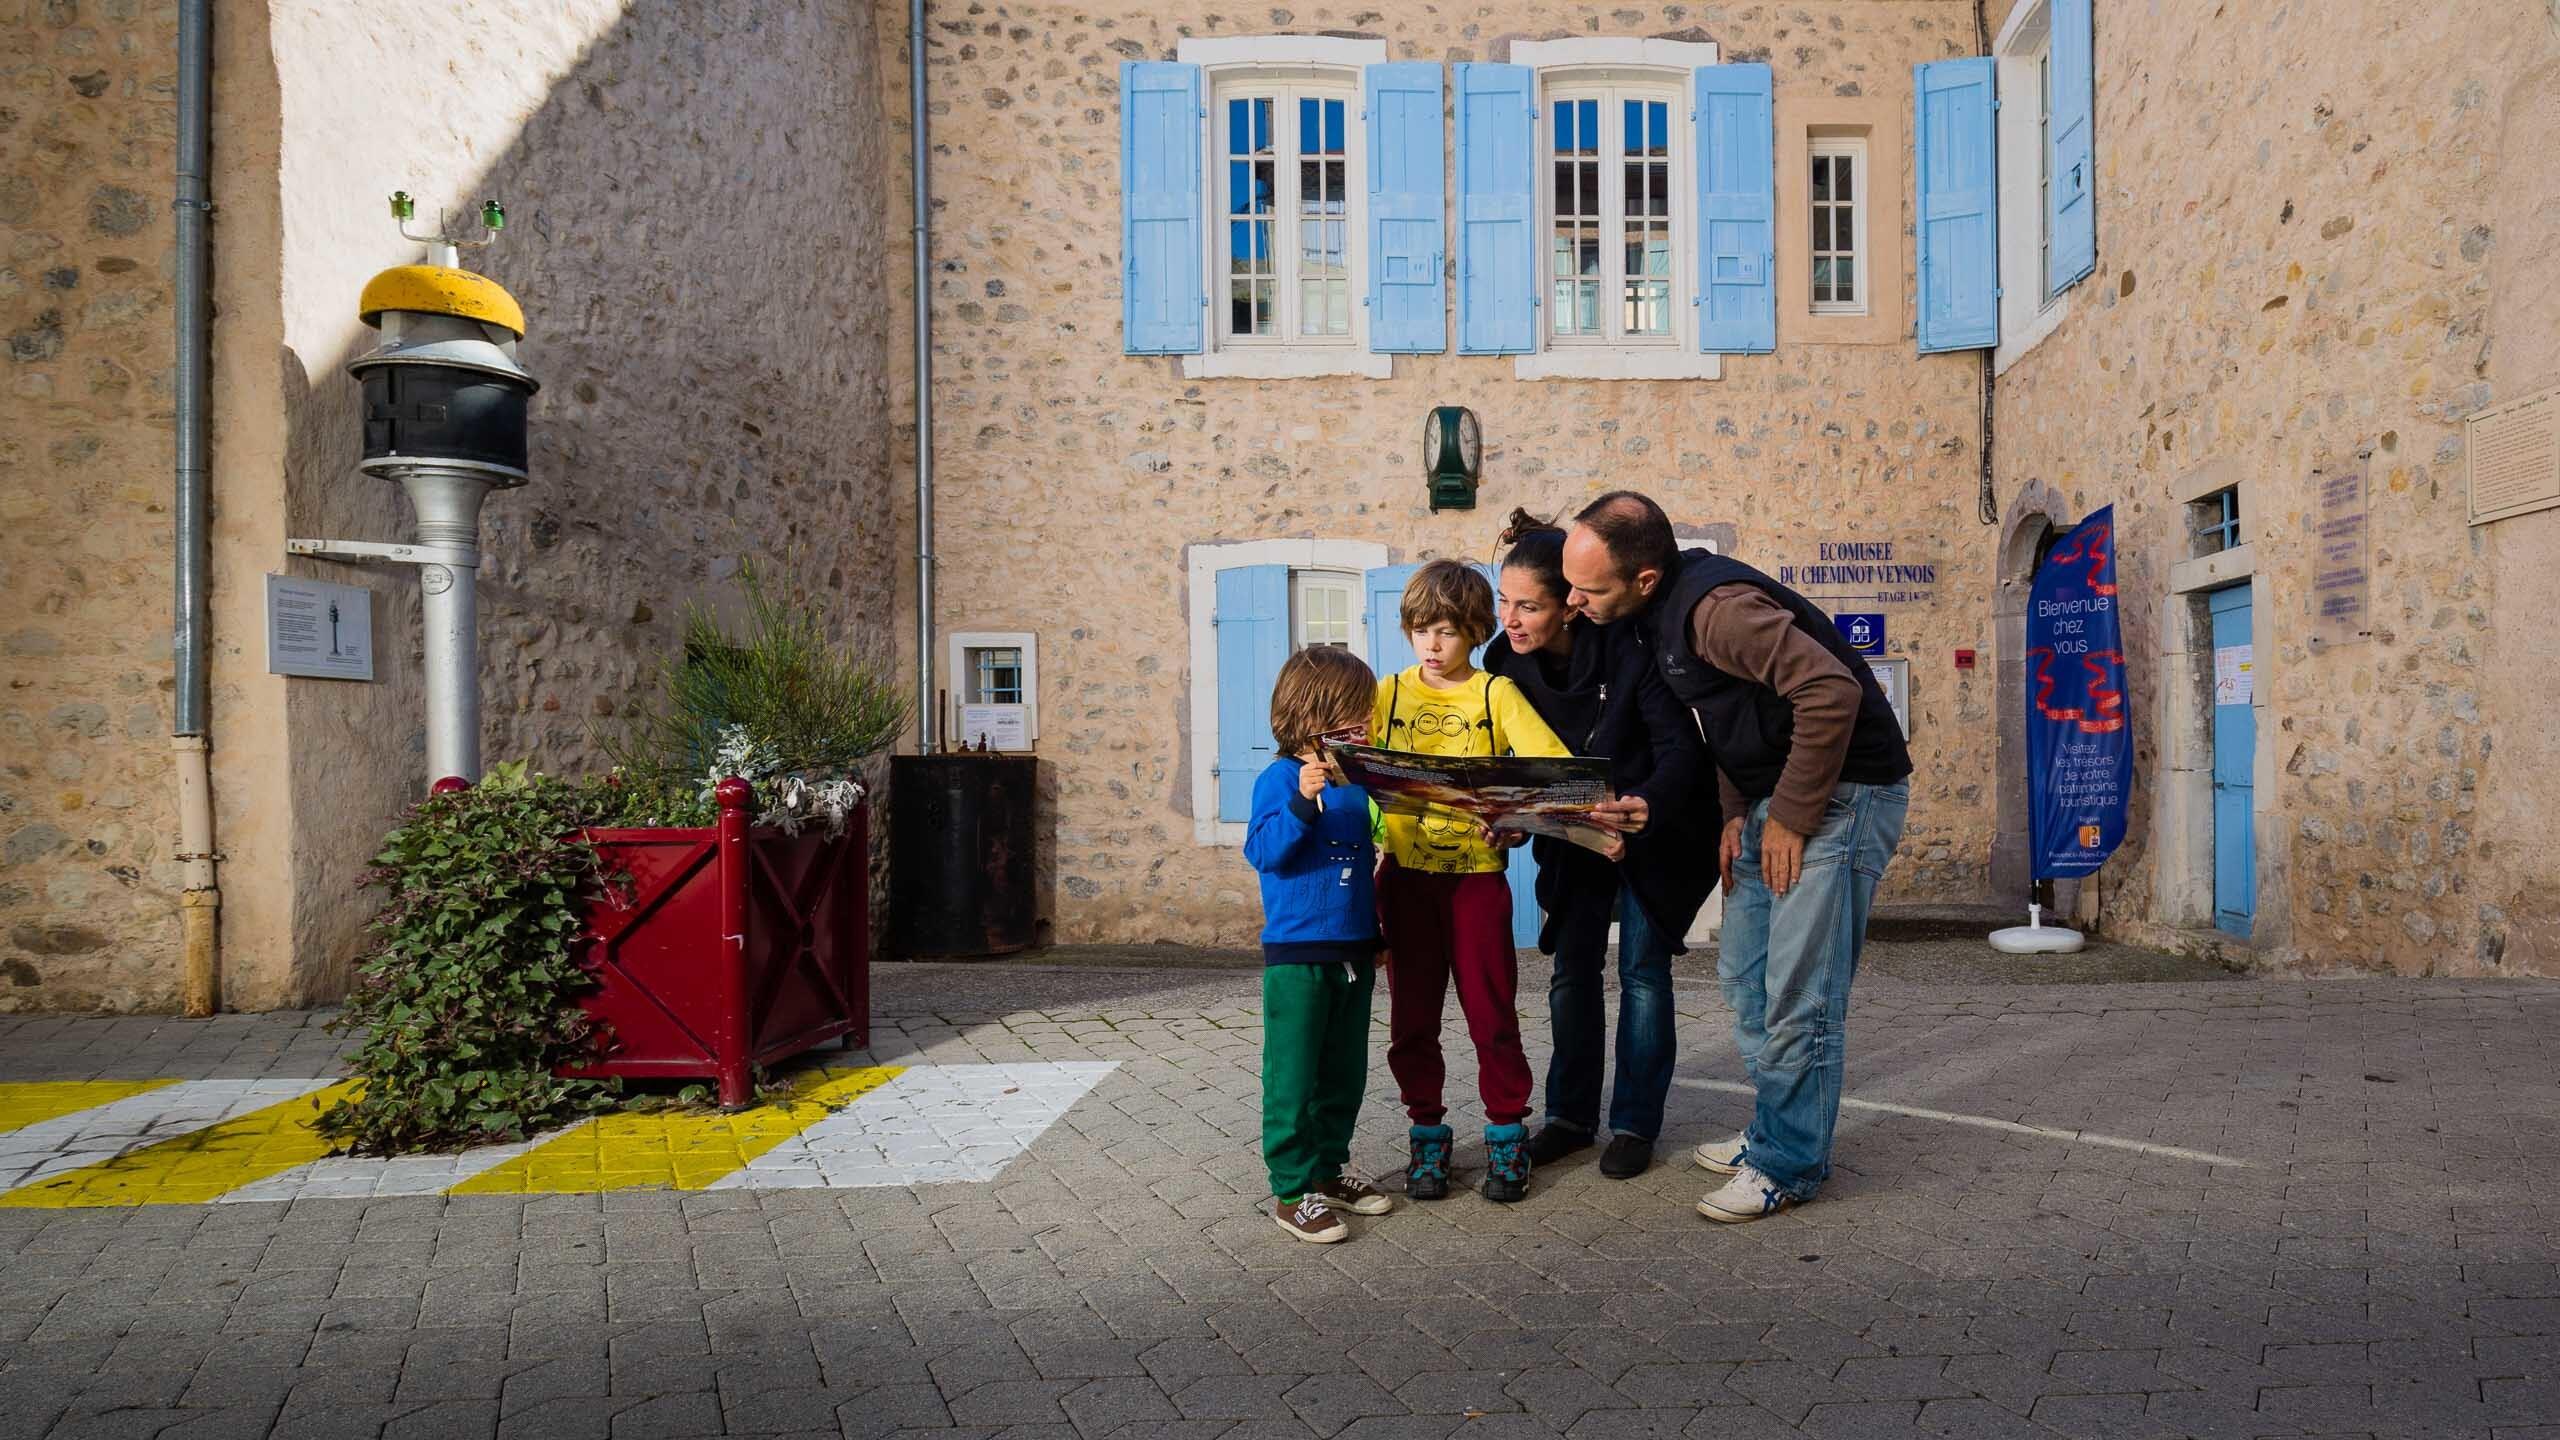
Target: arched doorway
[2035, 521]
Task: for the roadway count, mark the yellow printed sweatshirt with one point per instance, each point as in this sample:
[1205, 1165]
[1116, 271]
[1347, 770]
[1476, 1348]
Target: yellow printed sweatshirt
[1487, 715]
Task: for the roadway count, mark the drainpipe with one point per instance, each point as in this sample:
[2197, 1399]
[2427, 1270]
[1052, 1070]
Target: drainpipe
[200, 897]
[1989, 496]
[926, 718]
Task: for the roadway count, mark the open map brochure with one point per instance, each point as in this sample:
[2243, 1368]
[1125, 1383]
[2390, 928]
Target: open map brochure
[1535, 795]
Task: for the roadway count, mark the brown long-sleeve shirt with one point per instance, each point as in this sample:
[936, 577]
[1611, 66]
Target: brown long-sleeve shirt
[1739, 630]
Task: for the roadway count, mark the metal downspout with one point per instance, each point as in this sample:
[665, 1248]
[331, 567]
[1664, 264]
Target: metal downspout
[200, 900]
[927, 717]
[1988, 496]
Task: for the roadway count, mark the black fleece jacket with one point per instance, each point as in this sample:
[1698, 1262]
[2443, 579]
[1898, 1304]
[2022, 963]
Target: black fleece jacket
[1605, 697]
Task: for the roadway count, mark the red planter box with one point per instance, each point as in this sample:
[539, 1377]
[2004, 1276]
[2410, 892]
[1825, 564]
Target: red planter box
[717, 950]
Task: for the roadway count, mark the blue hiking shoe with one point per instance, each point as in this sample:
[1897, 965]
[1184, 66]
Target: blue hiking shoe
[1506, 1163]
[1427, 1178]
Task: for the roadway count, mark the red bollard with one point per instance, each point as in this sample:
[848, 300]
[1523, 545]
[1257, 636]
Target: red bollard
[735, 1044]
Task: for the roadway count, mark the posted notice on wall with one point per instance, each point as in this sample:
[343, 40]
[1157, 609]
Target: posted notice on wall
[2341, 569]
[319, 630]
[995, 727]
[2231, 682]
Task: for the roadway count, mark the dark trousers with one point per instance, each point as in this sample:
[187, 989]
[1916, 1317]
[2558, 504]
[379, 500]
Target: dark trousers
[1441, 928]
[1576, 1010]
[1315, 1066]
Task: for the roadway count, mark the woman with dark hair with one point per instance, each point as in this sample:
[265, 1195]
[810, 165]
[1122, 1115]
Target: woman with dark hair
[1598, 689]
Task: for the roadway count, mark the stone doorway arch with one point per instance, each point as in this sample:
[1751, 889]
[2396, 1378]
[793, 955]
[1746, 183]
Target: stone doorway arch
[2035, 520]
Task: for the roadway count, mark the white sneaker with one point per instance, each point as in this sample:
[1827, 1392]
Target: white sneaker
[1749, 1195]
[1722, 1156]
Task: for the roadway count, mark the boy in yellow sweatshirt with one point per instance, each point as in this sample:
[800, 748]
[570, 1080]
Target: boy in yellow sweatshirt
[1443, 901]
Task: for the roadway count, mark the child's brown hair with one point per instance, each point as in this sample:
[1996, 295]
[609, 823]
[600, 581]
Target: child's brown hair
[1450, 592]
[1321, 688]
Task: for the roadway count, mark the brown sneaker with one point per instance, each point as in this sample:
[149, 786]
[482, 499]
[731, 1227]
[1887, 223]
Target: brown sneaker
[1311, 1219]
[1355, 1194]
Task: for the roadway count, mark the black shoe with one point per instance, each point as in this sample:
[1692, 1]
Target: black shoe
[1553, 1142]
[1627, 1157]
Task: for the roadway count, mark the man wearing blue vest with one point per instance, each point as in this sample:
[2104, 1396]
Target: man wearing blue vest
[1815, 778]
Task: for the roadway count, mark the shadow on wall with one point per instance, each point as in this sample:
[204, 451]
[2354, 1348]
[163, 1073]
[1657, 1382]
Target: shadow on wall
[695, 227]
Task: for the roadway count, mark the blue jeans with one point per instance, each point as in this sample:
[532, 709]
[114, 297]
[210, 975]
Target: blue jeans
[1786, 963]
[1575, 1012]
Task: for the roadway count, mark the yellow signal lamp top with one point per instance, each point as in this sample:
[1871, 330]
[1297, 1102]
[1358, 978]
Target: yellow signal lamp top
[440, 290]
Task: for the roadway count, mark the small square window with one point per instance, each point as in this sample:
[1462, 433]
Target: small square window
[2217, 521]
[1321, 604]
[995, 676]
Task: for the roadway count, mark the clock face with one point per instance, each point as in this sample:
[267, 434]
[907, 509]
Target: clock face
[1430, 442]
[1470, 442]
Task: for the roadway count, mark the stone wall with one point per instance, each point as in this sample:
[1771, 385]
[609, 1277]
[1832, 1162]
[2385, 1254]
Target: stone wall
[88, 893]
[695, 207]
[2325, 237]
[1073, 478]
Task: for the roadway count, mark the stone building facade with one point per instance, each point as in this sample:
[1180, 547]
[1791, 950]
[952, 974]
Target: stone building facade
[2323, 243]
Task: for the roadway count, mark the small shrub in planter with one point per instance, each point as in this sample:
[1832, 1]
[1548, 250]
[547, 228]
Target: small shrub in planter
[497, 994]
[468, 996]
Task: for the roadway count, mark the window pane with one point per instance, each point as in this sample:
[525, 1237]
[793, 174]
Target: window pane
[1644, 198]
[1845, 279]
[1821, 178]
[1843, 176]
[1252, 194]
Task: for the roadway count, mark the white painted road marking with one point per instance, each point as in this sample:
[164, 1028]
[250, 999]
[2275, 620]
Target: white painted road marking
[1986, 1122]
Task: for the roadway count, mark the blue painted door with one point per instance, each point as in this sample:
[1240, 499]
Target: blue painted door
[2235, 748]
[1390, 650]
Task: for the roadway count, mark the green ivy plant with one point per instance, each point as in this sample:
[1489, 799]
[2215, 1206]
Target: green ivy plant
[468, 997]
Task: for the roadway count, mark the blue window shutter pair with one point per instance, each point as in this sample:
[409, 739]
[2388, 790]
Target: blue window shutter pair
[1958, 234]
[1956, 141]
[1164, 210]
[1408, 301]
[2074, 219]
[1164, 299]
[1737, 210]
[1251, 623]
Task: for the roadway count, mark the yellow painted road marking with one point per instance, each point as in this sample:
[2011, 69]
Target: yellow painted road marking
[32, 1102]
[671, 1150]
[195, 1167]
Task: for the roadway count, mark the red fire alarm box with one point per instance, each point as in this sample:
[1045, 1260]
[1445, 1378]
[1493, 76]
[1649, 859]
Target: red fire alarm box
[1964, 659]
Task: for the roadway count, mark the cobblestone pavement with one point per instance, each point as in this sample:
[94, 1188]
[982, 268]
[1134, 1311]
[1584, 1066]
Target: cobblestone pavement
[2229, 1208]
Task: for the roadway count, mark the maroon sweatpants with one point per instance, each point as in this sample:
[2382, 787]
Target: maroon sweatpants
[1438, 926]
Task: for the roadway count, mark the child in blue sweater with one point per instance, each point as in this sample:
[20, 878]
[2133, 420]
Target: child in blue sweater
[1314, 844]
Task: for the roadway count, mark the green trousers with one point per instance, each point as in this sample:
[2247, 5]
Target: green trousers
[1315, 1066]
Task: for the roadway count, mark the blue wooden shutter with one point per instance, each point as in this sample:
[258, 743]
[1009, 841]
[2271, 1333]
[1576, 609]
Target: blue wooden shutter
[1408, 305]
[1252, 626]
[1737, 210]
[1497, 210]
[1163, 305]
[1959, 249]
[2074, 216]
[1390, 649]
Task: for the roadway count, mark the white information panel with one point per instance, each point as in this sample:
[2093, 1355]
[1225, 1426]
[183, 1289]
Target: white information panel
[318, 629]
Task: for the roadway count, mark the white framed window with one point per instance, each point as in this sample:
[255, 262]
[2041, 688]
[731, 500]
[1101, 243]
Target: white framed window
[1839, 230]
[996, 674]
[1617, 209]
[1607, 159]
[1287, 200]
[1284, 208]
[1321, 567]
[1324, 609]
[2029, 310]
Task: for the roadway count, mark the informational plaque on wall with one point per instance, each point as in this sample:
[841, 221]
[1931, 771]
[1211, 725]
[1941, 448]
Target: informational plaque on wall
[2514, 451]
[318, 629]
[2342, 567]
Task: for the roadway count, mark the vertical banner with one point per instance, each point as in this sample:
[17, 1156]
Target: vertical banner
[2079, 738]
